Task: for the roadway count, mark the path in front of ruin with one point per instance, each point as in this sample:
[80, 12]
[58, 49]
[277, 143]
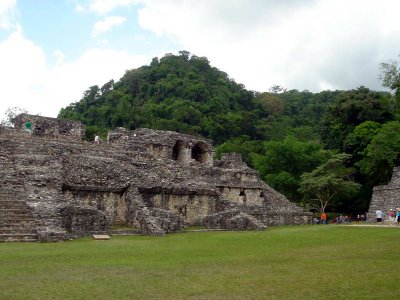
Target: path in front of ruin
[370, 225]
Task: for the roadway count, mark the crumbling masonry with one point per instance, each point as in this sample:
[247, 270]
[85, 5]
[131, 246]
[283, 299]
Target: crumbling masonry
[56, 186]
[385, 197]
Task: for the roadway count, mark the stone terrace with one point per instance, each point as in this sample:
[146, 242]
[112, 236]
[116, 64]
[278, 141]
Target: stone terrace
[56, 186]
[385, 197]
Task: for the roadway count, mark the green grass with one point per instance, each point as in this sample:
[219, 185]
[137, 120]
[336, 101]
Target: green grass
[299, 262]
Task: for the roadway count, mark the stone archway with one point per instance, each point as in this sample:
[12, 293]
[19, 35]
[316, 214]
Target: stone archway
[178, 152]
[199, 152]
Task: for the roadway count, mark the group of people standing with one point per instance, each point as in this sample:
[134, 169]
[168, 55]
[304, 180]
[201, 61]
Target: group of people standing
[393, 215]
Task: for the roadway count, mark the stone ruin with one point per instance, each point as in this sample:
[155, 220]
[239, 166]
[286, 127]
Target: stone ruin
[55, 186]
[385, 197]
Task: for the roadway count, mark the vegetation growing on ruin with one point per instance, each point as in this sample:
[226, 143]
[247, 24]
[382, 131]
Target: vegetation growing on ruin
[281, 133]
[290, 262]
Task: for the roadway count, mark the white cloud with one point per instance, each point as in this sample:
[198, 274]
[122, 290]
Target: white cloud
[298, 44]
[107, 24]
[80, 8]
[105, 6]
[301, 44]
[28, 82]
[59, 55]
[7, 13]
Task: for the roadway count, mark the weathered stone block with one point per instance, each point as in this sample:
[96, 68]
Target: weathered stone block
[157, 181]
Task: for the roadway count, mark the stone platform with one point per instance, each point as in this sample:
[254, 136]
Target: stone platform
[55, 186]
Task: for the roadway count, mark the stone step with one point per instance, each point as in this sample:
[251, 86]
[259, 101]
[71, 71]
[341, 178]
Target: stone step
[125, 232]
[15, 228]
[8, 207]
[11, 219]
[18, 237]
[22, 224]
[18, 232]
[15, 211]
[5, 218]
[40, 147]
[18, 228]
[12, 200]
[11, 191]
[17, 222]
[10, 185]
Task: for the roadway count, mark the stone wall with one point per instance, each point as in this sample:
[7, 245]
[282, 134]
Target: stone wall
[170, 145]
[191, 205]
[50, 127]
[112, 204]
[243, 195]
[157, 181]
[385, 197]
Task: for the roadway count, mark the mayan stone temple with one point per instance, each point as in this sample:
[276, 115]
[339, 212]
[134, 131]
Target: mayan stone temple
[385, 197]
[55, 186]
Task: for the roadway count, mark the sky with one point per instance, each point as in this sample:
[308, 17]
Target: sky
[51, 51]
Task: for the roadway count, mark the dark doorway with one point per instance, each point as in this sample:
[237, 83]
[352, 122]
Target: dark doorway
[199, 152]
[177, 151]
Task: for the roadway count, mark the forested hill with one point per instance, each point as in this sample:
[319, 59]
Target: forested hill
[181, 93]
[283, 134]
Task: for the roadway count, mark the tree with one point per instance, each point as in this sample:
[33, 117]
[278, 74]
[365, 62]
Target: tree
[243, 145]
[271, 104]
[10, 115]
[276, 89]
[281, 163]
[176, 92]
[390, 74]
[327, 183]
[357, 141]
[350, 109]
[382, 154]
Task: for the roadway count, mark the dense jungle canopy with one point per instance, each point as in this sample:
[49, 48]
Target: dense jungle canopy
[284, 134]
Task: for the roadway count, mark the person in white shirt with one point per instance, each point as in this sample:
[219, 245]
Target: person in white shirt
[379, 215]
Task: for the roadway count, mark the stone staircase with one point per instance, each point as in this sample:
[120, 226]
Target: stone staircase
[16, 220]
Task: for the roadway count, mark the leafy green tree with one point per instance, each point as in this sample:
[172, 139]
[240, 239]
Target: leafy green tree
[390, 74]
[272, 105]
[10, 114]
[382, 154]
[325, 184]
[282, 162]
[243, 145]
[351, 108]
[357, 141]
[176, 92]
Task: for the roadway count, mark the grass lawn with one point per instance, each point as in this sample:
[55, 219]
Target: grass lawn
[290, 262]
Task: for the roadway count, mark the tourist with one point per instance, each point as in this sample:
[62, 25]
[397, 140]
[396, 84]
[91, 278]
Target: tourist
[341, 219]
[28, 126]
[391, 215]
[323, 218]
[379, 216]
[97, 139]
[398, 216]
